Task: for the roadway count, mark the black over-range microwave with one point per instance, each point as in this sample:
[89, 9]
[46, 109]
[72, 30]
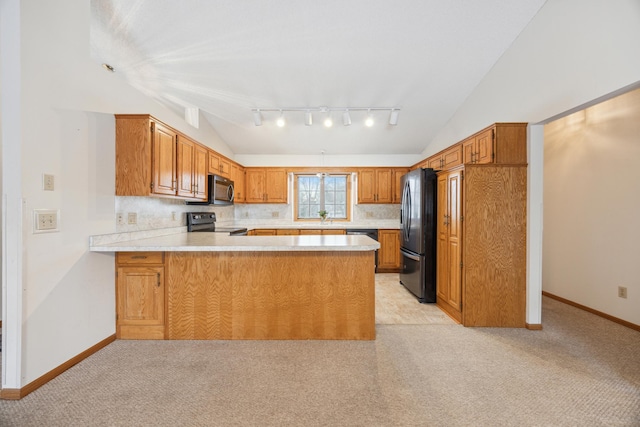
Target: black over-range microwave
[220, 191]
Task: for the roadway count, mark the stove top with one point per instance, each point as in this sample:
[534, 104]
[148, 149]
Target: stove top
[206, 222]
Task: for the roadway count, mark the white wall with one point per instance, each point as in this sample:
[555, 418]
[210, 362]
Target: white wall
[572, 52]
[329, 160]
[63, 124]
[591, 199]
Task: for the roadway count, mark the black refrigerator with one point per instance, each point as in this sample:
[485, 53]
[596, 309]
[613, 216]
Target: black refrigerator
[418, 233]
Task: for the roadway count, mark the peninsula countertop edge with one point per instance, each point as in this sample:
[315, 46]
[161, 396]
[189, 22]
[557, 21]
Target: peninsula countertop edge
[221, 242]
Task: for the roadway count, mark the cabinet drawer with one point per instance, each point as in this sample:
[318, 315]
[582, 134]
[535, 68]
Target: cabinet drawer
[140, 257]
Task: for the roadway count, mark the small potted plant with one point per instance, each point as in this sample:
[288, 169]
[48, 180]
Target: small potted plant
[323, 215]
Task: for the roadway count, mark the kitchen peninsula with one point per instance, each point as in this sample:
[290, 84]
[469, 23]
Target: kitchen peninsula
[214, 286]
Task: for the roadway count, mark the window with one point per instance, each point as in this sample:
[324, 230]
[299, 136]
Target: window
[315, 193]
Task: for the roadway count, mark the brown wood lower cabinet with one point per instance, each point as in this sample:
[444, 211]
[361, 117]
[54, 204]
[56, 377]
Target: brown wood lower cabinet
[140, 295]
[389, 259]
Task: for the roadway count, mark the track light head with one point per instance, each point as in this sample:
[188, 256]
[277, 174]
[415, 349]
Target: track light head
[393, 117]
[308, 118]
[280, 122]
[369, 121]
[257, 118]
[328, 121]
[346, 118]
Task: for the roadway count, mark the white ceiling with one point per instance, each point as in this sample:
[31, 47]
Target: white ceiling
[227, 57]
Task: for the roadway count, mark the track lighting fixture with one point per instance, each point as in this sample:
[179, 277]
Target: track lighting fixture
[393, 117]
[328, 120]
[369, 121]
[257, 118]
[346, 118]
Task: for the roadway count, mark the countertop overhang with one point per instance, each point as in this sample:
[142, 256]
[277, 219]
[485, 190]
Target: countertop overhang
[221, 242]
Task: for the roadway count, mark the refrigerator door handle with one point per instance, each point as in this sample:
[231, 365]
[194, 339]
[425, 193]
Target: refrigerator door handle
[406, 210]
[410, 255]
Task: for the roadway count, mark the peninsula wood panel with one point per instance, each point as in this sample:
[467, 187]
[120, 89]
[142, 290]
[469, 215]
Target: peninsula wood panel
[495, 245]
[270, 295]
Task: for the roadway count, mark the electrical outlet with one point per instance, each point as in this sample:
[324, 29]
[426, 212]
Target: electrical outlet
[369, 214]
[173, 216]
[275, 214]
[120, 218]
[45, 220]
[622, 291]
[132, 218]
[47, 182]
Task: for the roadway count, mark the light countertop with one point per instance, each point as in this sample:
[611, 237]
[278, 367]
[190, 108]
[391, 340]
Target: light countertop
[218, 242]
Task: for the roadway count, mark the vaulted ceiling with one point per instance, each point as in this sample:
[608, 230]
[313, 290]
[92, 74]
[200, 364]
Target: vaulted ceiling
[227, 57]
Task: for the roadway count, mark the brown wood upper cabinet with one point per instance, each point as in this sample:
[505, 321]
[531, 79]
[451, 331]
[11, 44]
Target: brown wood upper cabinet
[237, 176]
[446, 159]
[154, 159]
[500, 143]
[191, 169]
[219, 165]
[375, 185]
[398, 173]
[266, 185]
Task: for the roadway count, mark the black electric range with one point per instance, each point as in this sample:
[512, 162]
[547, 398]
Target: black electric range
[206, 222]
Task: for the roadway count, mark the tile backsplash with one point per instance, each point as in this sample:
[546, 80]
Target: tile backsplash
[154, 213]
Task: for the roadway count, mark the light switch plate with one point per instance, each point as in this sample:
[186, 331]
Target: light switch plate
[47, 182]
[46, 220]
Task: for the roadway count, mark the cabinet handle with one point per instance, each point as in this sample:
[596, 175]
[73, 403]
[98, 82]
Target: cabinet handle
[158, 276]
[139, 257]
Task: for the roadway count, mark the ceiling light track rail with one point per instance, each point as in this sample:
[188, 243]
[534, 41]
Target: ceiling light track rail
[328, 121]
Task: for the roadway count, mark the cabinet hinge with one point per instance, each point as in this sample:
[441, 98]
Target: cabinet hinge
[460, 265]
[461, 218]
[151, 185]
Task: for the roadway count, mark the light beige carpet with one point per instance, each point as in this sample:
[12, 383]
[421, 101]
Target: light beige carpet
[580, 370]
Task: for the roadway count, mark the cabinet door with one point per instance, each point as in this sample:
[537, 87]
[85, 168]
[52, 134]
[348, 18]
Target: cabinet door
[200, 172]
[276, 185]
[225, 168]
[214, 163]
[442, 271]
[367, 186]
[397, 184]
[140, 302]
[452, 157]
[469, 150]
[384, 185]
[264, 232]
[454, 238]
[255, 183]
[389, 258]
[434, 162]
[186, 154]
[484, 147]
[164, 160]
[287, 232]
[307, 232]
[237, 176]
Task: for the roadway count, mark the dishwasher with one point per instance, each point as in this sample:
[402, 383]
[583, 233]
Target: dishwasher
[370, 232]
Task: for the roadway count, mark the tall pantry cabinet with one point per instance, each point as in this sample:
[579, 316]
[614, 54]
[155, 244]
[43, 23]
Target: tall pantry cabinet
[481, 231]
